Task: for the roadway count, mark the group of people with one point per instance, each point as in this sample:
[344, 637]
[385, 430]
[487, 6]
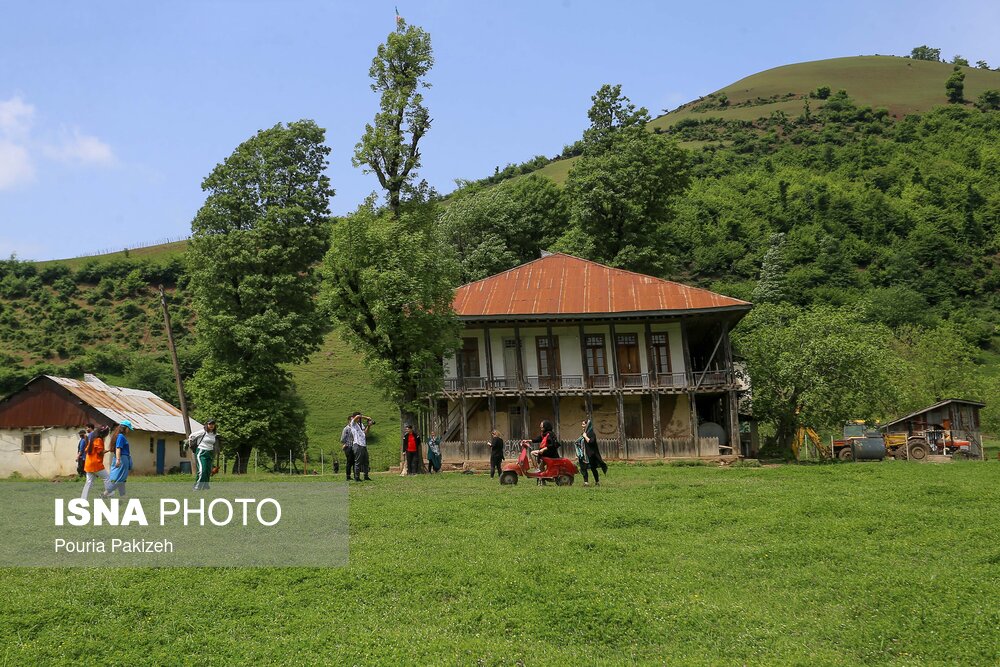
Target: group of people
[93, 447]
[90, 457]
[588, 453]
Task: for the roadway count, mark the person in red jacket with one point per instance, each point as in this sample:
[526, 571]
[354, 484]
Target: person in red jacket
[411, 447]
[548, 446]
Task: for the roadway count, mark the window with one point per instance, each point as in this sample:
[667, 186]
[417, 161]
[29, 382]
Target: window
[594, 345]
[548, 356]
[150, 445]
[180, 449]
[661, 352]
[32, 443]
[469, 358]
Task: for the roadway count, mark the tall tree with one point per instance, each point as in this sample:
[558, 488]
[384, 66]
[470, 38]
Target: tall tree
[389, 283]
[815, 367]
[955, 86]
[611, 113]
[390, 146]
[773, 284]
[496, 228]
[622, 189]
[252, 256]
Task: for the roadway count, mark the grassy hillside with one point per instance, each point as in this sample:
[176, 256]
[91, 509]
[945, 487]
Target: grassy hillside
[901, 85]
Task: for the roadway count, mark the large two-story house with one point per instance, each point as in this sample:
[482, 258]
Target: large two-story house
[562, 338]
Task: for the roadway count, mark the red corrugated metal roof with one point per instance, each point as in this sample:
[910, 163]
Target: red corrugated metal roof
[559, 284]
[146, 410]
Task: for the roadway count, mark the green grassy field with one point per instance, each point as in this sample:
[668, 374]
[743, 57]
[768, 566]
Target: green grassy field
[154, 252]
[851, 564]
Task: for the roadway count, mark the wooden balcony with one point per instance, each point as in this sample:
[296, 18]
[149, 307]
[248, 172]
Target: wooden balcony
[632, 383]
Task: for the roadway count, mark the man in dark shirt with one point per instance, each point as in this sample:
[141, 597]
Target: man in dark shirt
[496, 452]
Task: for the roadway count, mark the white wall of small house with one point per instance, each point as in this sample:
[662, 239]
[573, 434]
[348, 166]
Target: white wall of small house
[144, 460]
[57, 457]
[570, 355]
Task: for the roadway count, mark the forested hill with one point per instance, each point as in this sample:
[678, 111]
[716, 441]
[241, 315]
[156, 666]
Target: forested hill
[871, 190]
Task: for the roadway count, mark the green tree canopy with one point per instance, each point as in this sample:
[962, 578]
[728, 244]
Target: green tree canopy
[496, 228]
[955, 86]
[390, 146]
[925, 53]
[815, 367]
[389, 283]
[252, 256]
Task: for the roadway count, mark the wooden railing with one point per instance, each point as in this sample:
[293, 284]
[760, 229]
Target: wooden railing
[573, 383]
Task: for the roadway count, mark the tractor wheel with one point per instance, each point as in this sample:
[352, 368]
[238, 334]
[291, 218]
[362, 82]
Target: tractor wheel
[918, 450]
[845, 454]
[899, 453]
[508, 477]
[564, 480]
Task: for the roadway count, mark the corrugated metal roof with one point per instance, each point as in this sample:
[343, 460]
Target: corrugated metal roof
[933, 407]
[560, 284]
[146, 410]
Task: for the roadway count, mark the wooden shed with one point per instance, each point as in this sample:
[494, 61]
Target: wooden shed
[950, 420]
[39, 425]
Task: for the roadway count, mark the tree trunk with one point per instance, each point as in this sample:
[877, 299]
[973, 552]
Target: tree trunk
[241, 459]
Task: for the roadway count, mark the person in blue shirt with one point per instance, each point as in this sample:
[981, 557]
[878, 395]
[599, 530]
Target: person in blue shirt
[81, 449]
[121, 463]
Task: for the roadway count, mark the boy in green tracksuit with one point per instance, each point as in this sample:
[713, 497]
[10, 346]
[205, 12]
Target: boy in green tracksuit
[206, 443]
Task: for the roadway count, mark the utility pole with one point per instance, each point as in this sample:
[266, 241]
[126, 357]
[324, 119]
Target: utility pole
[177, 377]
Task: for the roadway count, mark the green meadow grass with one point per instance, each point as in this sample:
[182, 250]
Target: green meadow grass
[849, 564]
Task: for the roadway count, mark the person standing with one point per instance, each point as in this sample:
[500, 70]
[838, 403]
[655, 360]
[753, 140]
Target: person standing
[593, 452]
[93, 464]
[411, 446]
[347, 444]
[359, 429]
[81, 452]
[121, 463]
[205, 443]
[434, 452]
[496, 452]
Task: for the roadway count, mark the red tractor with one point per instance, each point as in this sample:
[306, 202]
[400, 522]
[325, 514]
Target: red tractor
[561, 470]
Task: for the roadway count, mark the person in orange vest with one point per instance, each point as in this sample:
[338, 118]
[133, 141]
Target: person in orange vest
[93, 464]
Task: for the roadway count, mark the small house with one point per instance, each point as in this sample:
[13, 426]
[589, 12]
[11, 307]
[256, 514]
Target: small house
[953, 419]
[39, 426]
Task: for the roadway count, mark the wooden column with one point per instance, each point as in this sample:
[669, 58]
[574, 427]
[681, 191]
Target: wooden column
[465, 430]
[520, 382]
[694, 423]
[650, 361]
[657, 433]
[554, 380]
[588, 396]
[622, 441]
[734, 422]
[686, 345]
[489, 379]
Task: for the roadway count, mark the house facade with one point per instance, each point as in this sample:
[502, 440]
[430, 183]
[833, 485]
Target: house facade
[562, 338]
[39, 425]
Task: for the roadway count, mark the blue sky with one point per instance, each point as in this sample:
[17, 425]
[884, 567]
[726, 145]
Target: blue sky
[111, 113]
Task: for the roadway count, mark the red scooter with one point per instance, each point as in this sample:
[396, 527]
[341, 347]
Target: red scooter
[561, 470]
